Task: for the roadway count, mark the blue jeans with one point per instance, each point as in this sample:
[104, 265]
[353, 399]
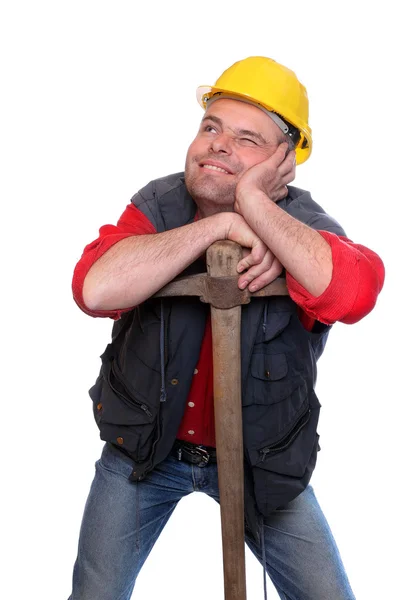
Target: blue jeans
[123, 520]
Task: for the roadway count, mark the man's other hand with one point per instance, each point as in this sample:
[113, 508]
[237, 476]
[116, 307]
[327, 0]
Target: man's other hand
[259, 266]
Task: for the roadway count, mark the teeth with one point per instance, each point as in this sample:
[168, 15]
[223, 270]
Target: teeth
[215, 168]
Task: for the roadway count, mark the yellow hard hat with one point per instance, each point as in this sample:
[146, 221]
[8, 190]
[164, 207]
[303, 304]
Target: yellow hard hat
[272, 86]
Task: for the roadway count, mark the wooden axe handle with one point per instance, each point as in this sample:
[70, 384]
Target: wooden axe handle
[222, 260]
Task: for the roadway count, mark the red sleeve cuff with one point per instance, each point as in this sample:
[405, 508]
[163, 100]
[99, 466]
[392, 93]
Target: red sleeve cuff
[132, 222]
[358, 276]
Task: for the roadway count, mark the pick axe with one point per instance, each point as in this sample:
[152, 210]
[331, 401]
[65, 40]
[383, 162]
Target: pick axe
[218, 287]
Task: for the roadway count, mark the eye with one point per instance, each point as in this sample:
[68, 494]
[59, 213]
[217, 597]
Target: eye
[248, 141]
[210, 129]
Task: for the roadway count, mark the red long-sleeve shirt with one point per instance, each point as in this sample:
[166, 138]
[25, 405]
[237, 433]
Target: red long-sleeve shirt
[358, 277]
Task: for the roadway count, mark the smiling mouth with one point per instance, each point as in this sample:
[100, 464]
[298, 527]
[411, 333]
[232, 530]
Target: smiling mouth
[214, 168]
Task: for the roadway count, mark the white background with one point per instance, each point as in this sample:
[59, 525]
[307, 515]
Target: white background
[98, 98]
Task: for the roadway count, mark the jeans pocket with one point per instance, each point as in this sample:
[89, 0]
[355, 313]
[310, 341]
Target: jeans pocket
[115, 461]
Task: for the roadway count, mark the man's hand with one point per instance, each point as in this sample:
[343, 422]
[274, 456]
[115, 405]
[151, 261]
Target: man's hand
[269, 177]
[257, 274]
[259, 266]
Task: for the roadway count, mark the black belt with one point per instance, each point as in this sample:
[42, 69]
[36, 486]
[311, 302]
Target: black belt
[196, 455]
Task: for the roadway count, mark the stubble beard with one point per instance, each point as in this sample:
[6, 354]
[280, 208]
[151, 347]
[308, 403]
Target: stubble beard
[208, 190]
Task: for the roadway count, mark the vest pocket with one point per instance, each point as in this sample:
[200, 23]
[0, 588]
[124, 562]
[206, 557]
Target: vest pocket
[279, 480]
[124, 417]
[286, 441]
[287, 451]
[133, 408]
[291, 454]
[269, 382]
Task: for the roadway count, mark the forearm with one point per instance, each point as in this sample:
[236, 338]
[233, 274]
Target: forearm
[357, 281]
[138, 266]
[302, 251]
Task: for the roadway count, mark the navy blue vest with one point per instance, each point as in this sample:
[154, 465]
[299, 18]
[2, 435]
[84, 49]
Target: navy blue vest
[140, 395]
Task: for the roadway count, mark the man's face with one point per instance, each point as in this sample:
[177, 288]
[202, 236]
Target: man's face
[233, 137]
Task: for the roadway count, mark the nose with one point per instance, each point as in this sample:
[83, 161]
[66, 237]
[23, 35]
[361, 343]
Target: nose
[221, 144]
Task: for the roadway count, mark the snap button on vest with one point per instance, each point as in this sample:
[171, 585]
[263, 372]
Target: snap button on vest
[99, 406]
[174, 381]
[119, 440]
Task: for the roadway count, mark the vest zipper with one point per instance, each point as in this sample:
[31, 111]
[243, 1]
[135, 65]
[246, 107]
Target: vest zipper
[131, 402]
[143, 407]
[288, 439]
[162, 343]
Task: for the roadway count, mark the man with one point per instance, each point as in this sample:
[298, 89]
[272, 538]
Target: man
[153, 398]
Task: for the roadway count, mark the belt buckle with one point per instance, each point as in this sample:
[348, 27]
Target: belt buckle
[203, 454]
